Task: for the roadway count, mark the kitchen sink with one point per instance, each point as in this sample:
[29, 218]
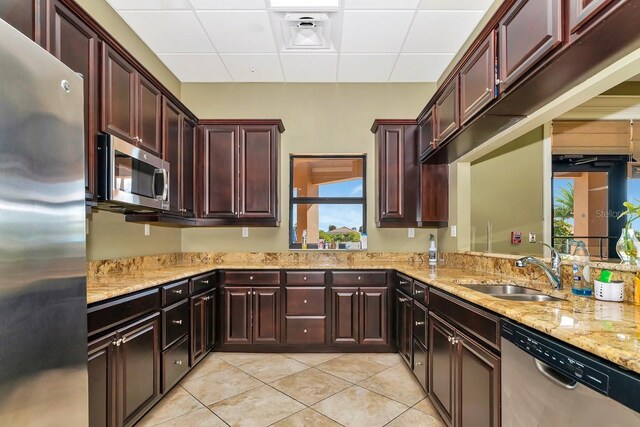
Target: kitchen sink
[513, 293]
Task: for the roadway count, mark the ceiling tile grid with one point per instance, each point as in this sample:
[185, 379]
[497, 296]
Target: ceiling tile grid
[251, 40]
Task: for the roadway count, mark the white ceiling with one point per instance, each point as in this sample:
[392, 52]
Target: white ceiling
[241, 40]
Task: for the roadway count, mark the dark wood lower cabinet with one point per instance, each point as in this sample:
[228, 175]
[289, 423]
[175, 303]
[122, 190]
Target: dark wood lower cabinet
[442, 356]
[202, 325]
[102, 380]
[344, 304]
[252, 315]
[373, 316]
[404, 312]
[237, 309]
[359, 315]
[266, 315]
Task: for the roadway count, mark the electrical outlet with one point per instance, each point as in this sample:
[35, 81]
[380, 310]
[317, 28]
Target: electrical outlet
[411, 233]
[245, 231]
[454, 231]
[147, 230]
[532, 237]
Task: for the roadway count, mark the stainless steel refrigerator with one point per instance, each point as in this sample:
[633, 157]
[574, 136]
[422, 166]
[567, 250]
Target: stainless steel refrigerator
[43, 307]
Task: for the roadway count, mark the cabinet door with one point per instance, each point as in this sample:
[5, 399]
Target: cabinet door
[237, 304]
[391, 173]
[258, 172]
[373, 316]
[478, 376]
[477, 80]
[428, 142]
[407, 331]
[139, 367]
[27, 16]
[345, 315]
[102, 383]
[171, 135]
[582, 11]
[149, 110]
[434, 195]
[187, 164]
[442, 356]
[529, 31]
[397, 308]
[221, 171]
[76, 45]
[210, 321]
[198, 325]
[266, 315]
[118, 103]
[447, 108]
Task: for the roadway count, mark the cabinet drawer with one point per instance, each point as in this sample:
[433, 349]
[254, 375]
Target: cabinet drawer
[305, 330]
[174, 292]
[175, 364]
[104, 316]
[306, 301]
[252, 277]
[360, 277]
[404, 284]
[175, 323]
[420, 293]
[305, 277]
[479, 323]
[202, 284]
[420, 360]
[420, 323]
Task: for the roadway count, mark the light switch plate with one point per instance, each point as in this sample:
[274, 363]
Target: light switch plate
[411, 233]
[454, 231]
[245, 231]
[147, 230]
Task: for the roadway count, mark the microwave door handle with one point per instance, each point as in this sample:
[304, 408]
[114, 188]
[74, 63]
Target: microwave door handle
[165, 191]
[155, 195]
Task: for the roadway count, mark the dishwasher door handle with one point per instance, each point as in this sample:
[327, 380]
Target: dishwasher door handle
[554, 376]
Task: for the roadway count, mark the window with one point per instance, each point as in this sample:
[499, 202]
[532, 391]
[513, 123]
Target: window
[328, 205]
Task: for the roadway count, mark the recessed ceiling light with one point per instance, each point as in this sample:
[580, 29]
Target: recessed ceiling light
[305, 4]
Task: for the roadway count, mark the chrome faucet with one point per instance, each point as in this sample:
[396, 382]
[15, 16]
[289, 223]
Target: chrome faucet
[552, 273]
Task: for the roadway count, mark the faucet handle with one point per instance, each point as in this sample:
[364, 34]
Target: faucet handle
[555, 256]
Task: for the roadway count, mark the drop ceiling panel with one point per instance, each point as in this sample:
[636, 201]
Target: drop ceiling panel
[431, 31]
[309, 67]
[239, 31]
[149, 4]
[417, 67]
[366, 67]
[196, 67]
[226, 4]
[380, 4]
[456, 4]
[186, 34]
[375, 31]
[253, 67]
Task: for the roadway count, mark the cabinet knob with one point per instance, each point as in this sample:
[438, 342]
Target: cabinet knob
[241, 213]
[249, 293]
[177, 322]
[419, 323]
[450, 339]
[141, 141]
[254, 292]
[117, 342]
[177, 362]
[304, 278]
[419, 363]
[305, 331]
[250, 277]
[488, 89]
[235, 213]
[359, 278]
[177, 291]
[305, 301]
[498, 81]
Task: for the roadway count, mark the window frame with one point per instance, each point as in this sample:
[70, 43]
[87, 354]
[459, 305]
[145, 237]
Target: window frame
[327, 200]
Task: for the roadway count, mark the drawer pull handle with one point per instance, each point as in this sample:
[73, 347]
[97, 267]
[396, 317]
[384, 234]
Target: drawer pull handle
[419, 363]
[177, 362]
[419, 323]
[403, 282]
[206, 282]
[177, 322]
[177, 291]
[305, 331]
[418, 291]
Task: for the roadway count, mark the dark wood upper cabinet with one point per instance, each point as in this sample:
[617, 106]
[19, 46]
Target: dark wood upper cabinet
[344, 304]
[442, 356]
[76, 45]
[187, 183]
[237, 306]
[27, 16]
[447, 111]
[530, 30]
[220, 158]
[258, 172]
[427, 127]
[581, 12]
[373, 316]
[171, 136]
[241, 183]
[477, 80]
[118, 101]
[434, 195]
[397, 171]
[149, 107]
[266, 315]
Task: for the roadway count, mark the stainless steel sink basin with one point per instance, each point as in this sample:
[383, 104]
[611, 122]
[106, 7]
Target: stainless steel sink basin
[513, 293]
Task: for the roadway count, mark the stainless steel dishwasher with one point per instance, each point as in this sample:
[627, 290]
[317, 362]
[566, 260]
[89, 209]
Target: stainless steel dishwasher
[547, 383]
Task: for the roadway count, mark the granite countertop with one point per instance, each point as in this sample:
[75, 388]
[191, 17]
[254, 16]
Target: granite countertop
[607, 329]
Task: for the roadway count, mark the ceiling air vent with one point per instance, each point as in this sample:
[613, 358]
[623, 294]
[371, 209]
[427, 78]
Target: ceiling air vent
[306, 31]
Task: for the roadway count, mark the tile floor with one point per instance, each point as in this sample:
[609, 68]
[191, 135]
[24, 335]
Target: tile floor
[296, 390]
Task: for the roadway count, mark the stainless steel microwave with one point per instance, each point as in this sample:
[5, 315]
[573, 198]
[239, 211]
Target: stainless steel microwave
[130, 178]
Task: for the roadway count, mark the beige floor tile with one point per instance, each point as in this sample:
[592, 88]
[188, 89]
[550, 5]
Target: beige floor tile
[237, 359]
[313, 359]
[352, 368]
[177, 402]
[209, 365]
[213, 388]
[387, 359]
[307, 418]
[414, 417]
[260, 407]
[200, 418]
[310, 386]
[427, 407]
[359, 407]
[273, 368]
[397, 383]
